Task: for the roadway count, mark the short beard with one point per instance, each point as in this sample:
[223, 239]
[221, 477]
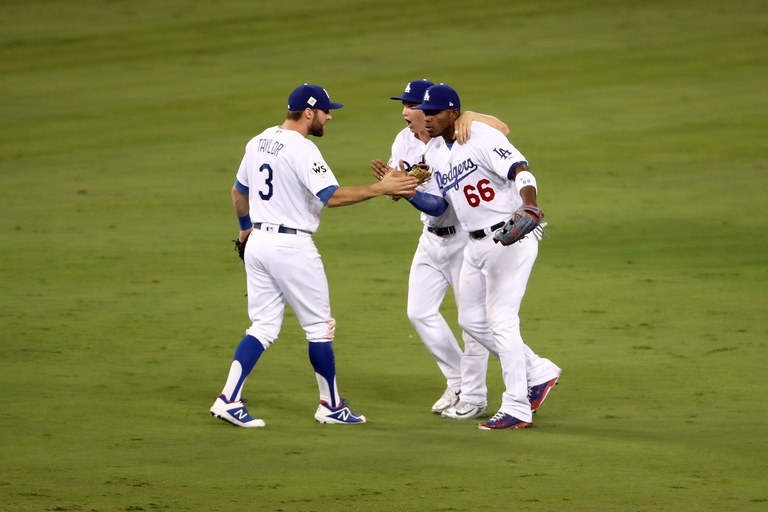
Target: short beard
[316, 129]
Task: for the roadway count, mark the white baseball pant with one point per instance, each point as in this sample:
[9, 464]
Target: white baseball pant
[436, 265]
[491, 288]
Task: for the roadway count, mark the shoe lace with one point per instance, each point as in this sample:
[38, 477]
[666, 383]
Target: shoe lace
[343, 402]
[241, 401]
[497, 417]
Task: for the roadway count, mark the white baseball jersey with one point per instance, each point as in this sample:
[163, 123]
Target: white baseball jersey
[410, 149]
[435, 267]
[284, 171]
[281, 173]
[474, 178]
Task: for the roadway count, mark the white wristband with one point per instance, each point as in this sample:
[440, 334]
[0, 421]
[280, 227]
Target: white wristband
[525, 179]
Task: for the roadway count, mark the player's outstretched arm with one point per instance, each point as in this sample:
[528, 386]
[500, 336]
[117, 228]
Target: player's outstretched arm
[393, 183]
[464, 124]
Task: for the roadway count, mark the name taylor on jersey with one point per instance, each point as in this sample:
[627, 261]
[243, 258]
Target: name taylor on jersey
[269, 146]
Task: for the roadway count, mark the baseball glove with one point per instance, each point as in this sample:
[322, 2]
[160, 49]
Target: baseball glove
[421, 172]
[524, 220]
[240, 248]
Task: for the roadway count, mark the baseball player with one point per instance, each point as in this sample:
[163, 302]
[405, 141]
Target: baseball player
[282, 185]
[436, 264]
[487, 181]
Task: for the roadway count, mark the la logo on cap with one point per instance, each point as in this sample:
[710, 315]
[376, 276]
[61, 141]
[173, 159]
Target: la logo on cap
[426, 96]
[407, 87]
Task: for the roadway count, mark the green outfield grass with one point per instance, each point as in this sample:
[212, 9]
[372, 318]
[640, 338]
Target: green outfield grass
[122, 127]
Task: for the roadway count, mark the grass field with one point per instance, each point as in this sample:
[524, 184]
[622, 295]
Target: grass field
[122, 127]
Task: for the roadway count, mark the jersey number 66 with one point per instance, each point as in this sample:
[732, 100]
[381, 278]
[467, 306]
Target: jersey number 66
[483, 191]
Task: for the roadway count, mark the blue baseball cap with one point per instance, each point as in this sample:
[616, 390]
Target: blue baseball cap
[311, 96]
[440, 97]
[414, 91]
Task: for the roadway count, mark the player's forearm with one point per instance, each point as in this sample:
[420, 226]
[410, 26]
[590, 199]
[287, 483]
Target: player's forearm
[239, 202]
[393, 184]
[345, 196]
[493, 122]
[528, 194]
[525, 183]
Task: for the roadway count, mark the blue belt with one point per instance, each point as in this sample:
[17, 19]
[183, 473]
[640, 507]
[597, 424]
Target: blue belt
[442, 231]
[481, 233]
[281, 229]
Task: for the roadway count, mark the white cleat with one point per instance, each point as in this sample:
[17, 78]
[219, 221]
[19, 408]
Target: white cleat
[449, 398]
[464, 411]
[339, 415]
[234, 413]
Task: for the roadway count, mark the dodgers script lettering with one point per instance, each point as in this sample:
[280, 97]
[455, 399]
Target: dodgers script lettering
[456, 174]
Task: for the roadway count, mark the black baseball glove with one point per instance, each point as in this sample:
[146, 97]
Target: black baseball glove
[240, 248]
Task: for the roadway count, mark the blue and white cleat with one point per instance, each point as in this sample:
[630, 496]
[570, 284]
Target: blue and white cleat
[502, 420]
[537, 394]
[340, 415]
[234, 413]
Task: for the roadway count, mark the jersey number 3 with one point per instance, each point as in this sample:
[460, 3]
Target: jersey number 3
[267, 181]
[482, 192]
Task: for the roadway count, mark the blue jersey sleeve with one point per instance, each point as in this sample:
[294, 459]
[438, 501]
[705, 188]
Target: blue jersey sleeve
[428, 203]
[242, 188]
[513, 170]
[325, 194]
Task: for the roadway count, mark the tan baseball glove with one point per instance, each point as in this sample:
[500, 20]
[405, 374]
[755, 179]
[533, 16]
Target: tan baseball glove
[421, 172]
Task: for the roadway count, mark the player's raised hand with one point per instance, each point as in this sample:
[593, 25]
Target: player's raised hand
[396, 183]
[462, 127]
[379, 168]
